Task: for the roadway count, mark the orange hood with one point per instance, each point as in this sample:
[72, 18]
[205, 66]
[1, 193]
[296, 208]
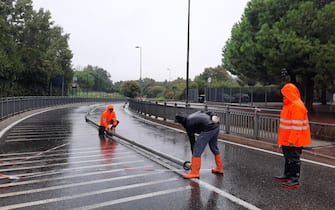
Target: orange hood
[291, 92]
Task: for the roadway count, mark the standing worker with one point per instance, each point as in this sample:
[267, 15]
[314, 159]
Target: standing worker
[108, 121]
[294, 133]
[207, 126]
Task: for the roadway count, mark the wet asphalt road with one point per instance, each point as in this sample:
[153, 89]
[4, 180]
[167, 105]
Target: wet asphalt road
[63, 164]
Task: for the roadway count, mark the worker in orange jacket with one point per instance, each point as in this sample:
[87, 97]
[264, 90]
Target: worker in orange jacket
[294, 133]
[108, 121]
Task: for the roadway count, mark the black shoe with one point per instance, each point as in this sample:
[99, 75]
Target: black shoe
[291, 184]
[282, 178]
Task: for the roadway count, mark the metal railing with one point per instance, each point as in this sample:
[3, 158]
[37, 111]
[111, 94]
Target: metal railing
[10, 106]
[249, 95]
[250, 122]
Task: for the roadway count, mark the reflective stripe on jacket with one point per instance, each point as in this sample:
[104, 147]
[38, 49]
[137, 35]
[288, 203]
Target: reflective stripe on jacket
[293, 126]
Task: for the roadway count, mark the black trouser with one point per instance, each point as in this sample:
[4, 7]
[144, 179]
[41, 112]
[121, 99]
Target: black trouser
[292, 162]
[102, 128]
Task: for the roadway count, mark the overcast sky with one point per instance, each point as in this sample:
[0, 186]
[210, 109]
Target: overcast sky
[104, 33]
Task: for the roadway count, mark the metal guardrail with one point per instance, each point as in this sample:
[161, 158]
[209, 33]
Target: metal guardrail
[241, 120]
[252, 122]
[10, 106]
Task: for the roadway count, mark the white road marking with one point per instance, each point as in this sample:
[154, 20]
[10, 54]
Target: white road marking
[226, 195]
[276, 153]
[75, 176]
[134, 198]
[67, 151]
[18, 121]
[38, 174]
[25, 192]
[118, 154]
[40, 202]
[64, 164]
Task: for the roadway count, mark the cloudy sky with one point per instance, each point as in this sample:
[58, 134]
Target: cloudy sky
[104, 33]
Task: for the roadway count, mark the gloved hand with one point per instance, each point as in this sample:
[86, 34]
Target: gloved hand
[215, 119]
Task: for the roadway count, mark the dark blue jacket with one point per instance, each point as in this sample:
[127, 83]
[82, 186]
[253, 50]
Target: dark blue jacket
[198, 122]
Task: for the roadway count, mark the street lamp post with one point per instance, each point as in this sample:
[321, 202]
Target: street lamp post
[139, 47]
[188, 50]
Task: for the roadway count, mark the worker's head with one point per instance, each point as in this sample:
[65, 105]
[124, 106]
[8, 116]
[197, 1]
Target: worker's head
[290, 92]
[110, 107]
[180, 118]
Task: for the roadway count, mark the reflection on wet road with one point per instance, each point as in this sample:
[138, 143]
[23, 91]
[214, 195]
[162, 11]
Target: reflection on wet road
[56, 160]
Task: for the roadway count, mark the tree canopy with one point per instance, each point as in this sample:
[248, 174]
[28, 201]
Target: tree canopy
[215, 77]
[297, 36]
[33, 51]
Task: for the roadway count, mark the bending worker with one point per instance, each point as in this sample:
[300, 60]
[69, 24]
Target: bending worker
[294, 133]
[108, 121]
[207, 126]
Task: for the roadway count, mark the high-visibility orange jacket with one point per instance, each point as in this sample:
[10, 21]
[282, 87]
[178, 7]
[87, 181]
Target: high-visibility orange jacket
[293, 126]
[108, 118]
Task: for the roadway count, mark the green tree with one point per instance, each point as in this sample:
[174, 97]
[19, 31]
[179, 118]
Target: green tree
[33, 52]
[10, 61]
[155, 91]
[214, 77]
[85, 79]
[275, 35]
[146, 85]
[94, 78]
[324, 56]
[130, 89]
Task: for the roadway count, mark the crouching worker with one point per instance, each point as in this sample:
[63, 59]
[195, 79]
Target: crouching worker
[207, 126]
[108, 121]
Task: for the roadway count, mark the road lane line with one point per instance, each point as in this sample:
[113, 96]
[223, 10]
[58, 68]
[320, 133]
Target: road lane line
[25, 192]
[36, 140]
[56, 164]
[134, 198]
[13, 160]
[111, 157]
[73, 176]
[73, 151]
[53, 172]
[18, 121]
[40, 202]
[275, 153]
[226, 195]
[76, 150]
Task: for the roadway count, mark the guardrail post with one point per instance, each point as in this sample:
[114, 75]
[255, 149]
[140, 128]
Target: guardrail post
[227, 119]
[187, 107]
[157, 109]
[1, 115]
[164, 114]
[256, 123]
